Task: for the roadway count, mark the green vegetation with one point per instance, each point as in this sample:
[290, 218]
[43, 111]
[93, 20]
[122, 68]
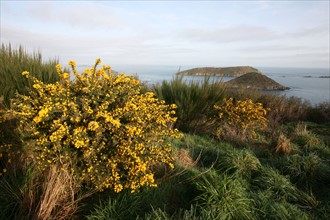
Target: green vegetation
[282, 171]
[99, 128]
[219, 71]
[13, 62]
[193, 116]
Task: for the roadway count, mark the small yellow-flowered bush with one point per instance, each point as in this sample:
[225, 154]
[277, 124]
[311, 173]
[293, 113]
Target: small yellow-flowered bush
[100, 124]
[243, 116]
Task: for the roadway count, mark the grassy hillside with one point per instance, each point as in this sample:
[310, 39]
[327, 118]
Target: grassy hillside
[237, 154]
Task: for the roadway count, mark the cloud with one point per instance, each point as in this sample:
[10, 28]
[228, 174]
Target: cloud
[321, 30]
[84, 49]
[145, 33]
[277, 47]
[241, 33]
[87, 15]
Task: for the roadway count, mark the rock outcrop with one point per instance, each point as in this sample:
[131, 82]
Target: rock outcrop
[255, 80]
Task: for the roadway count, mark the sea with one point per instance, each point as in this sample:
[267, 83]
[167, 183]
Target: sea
[310, 84]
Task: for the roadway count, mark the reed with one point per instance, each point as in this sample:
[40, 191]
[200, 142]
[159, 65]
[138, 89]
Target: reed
[13, 61]
[194, 100]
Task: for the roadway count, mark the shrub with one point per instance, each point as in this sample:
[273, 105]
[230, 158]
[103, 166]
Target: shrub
[284, 109]
[240, 93]
[13, 62]
[99, 125]
[194, 100]
[319, 113]
[243, 116]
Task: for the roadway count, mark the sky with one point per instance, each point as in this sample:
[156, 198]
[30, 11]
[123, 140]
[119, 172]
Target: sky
[195, 33]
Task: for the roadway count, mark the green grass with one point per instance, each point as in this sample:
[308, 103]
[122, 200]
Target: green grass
[228, 182]
[13, 62]
[224, 196]
[195, 102]
[18, 194]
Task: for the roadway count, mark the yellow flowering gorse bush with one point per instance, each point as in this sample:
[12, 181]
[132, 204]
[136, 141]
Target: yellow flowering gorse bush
[100, 124]
[243, 116]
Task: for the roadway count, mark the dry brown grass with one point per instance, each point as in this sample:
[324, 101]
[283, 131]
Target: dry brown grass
[235, 136]
[283, 145]
[39, 195]
[301, 129]
[305, 137]
[183, 158]
[58, 198]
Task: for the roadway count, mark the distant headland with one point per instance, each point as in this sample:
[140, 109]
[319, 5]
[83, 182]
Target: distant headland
[219, 71]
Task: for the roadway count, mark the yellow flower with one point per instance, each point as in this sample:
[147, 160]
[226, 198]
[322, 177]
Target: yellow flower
[97, 61]
[93, 125]
[106, 67]
[36, 86]
[65, 75]
[72, 63]
[59, 68]
[87, 71]
[25, 74]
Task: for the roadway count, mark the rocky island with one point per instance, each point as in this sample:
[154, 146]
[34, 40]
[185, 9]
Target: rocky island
[255, 80]
[219, 71]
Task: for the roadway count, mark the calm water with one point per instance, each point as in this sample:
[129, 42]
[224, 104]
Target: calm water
[304, 83]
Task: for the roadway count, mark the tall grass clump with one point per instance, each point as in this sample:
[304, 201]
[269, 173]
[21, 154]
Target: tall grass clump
[25, 193]
[278, 187]
[268, 208]
[241, 162]
[13, 62]
[223, 197]
[307, 171]
[305, 138]
[123, 206]
[194, 100]
[284, 145]
[277, 192]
